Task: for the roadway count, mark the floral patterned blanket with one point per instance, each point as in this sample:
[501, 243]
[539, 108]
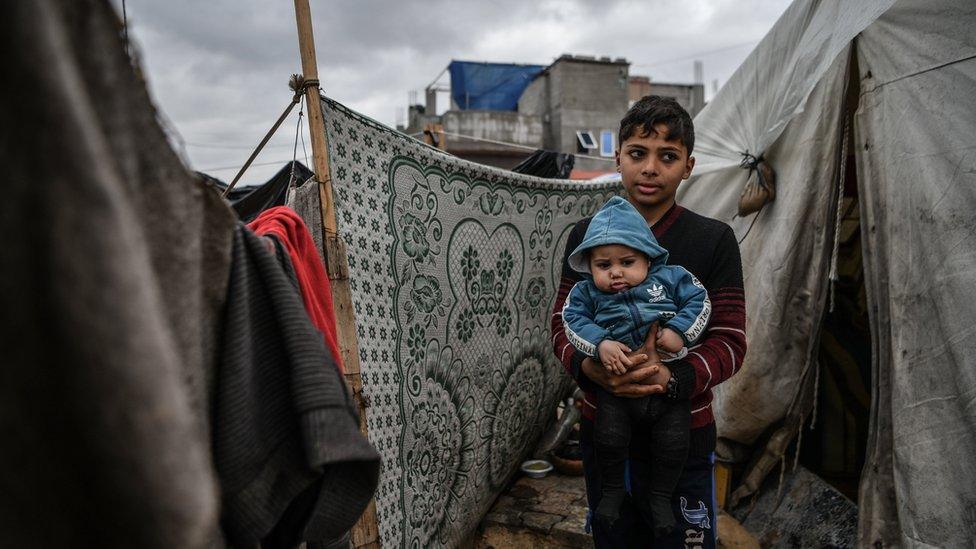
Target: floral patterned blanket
[453, 268]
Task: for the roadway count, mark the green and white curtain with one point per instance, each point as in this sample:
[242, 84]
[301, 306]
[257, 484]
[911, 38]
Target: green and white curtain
[454, 268]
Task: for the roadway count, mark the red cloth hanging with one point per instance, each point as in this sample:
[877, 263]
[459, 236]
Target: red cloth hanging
[291, 231]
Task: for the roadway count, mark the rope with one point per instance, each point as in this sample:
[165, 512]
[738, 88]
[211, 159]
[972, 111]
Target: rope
[751, 224]
[298, 84]
[782, 472]
[751, 163]
[125, 30]
[304, 151]
[816, 395]
[799, 442]
[294, 150]
[237, 167]
[839, 213]
[294, 154]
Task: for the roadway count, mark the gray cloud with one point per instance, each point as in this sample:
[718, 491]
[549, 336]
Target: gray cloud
[219, 69]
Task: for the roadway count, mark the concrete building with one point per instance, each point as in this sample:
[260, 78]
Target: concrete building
[496, 138]
[574, 105]
[580, 100]
[689, 96]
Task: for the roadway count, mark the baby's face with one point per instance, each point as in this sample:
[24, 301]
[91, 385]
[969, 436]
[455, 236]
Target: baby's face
[616, 267]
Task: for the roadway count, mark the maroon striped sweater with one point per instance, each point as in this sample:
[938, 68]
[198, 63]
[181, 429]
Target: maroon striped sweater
[709, 250]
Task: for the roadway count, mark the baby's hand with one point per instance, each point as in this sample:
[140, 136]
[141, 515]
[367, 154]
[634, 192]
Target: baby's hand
[669, 340]
[613, 355]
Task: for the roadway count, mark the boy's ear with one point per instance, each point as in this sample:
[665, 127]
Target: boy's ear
[689, 165]
[616, 158]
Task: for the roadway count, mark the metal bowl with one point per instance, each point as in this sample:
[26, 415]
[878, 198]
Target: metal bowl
[536, 468]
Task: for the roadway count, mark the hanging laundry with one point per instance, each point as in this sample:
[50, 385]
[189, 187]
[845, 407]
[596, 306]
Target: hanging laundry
[285, 429]
[316, 290]
[250, 201]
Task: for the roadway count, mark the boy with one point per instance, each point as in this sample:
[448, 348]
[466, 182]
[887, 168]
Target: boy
[656, 139]
[609, 314]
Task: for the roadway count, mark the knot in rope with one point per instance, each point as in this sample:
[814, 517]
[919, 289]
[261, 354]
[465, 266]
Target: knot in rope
[299, 84]
[764, 173]
[754, 197]
[750, 162]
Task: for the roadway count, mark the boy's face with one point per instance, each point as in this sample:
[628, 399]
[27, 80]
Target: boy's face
[616, 267]
[651, 168]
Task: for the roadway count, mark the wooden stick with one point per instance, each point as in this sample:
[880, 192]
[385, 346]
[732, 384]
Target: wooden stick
[365, 532]
[257, 150]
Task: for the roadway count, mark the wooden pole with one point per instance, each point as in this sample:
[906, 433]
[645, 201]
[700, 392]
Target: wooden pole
[434, 136]
[316, 122]
[365, 532]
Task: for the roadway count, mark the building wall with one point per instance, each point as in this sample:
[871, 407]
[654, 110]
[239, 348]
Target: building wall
[575, 93]
[535, 98]
[503, 126]
[638, 87]
[418, 118]
[506, 126]
[586, 95]
[689, 96]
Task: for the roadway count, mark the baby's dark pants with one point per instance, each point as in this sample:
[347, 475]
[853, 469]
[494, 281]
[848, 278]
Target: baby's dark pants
[660, 423]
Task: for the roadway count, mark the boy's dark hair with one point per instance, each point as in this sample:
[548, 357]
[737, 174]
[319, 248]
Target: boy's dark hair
[655, 109]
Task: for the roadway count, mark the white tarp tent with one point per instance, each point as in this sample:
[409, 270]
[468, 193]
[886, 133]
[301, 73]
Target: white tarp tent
[916, 169]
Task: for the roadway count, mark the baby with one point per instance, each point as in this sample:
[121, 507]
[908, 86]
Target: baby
[608, 314]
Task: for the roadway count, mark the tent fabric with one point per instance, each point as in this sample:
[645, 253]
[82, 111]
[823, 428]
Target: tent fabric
[249, 202]
[235, 194]
[548, 164]
[305, 201]
[489, 86]
[772, 85]
[112, 284]
[453, 268]
[785, 263]
[913, 128]
[917, 182]
[272, 193]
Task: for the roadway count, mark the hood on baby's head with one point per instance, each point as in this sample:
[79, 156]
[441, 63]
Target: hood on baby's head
[617, 222]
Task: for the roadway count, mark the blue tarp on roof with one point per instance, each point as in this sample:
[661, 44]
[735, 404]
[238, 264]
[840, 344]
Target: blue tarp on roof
[489, 86]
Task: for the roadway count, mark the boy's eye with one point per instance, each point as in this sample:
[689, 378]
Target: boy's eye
[602, 265]
[669, 157]
[636, 154]
[628, 262]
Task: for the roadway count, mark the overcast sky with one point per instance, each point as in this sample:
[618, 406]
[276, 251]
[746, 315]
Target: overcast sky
[219, 69]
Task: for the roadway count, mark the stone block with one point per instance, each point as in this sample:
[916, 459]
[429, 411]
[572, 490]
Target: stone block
[540, 522]
[555, 503]
[522, 490]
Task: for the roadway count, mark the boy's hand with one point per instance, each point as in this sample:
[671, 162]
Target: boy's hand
[660, 377]
[613, 355]
[645, 378]
[662, 373]
[669, 340]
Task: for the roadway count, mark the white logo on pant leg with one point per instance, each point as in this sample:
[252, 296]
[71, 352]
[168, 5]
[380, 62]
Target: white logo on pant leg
[694, 539]
[698, 517]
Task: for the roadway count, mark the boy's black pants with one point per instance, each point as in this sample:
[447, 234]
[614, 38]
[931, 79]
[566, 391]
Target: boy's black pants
[693, 502]
[662, 426]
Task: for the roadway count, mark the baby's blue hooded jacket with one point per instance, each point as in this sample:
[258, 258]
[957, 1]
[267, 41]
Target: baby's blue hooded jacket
[670, 294]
